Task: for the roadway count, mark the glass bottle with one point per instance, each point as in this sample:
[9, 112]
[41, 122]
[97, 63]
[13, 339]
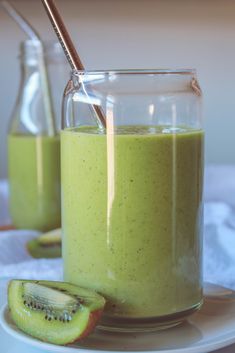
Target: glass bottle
[132, 194]
[33, 149]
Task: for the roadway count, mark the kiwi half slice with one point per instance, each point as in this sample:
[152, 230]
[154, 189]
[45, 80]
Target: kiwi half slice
[55, 312]
[47, 245]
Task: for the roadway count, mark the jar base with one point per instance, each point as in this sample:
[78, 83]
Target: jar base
[114, 324]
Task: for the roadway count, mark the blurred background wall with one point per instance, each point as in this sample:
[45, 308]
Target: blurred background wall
[141, 34]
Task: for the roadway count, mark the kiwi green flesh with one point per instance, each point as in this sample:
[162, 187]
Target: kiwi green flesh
[44, 250]
[50, 237]
[55, 312]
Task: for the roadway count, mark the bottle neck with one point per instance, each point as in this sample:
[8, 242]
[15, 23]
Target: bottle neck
[29, 115]
[31, 110]
[30, 55]
[27, 70]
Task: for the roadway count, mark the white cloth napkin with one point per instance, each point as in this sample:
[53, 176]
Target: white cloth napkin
[219, 244]
[15, 262]
[219, 236]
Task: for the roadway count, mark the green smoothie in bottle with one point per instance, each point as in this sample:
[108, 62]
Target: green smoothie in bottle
[34, 179]
[34, 141]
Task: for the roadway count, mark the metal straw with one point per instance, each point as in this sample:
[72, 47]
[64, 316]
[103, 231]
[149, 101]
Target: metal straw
[33, 35]
[69, 48]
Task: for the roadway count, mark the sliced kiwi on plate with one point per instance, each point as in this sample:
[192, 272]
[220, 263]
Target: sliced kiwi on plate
[47, 245]
[55, 312]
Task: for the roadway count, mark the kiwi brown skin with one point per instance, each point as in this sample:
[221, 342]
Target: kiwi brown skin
[93, 319]
[92, 323]
[29, 310]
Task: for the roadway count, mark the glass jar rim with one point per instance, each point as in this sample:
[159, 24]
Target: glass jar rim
[135, 72]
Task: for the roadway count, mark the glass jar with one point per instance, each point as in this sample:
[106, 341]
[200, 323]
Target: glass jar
[33, 148]
[132, 194]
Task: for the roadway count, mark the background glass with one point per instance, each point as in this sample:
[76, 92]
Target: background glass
[33, 154]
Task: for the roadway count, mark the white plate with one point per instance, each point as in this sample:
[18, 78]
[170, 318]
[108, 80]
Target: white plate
[211, 328]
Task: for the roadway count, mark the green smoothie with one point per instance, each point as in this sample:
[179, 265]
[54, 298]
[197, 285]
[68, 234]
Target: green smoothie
[131, 210]
[34, 178]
